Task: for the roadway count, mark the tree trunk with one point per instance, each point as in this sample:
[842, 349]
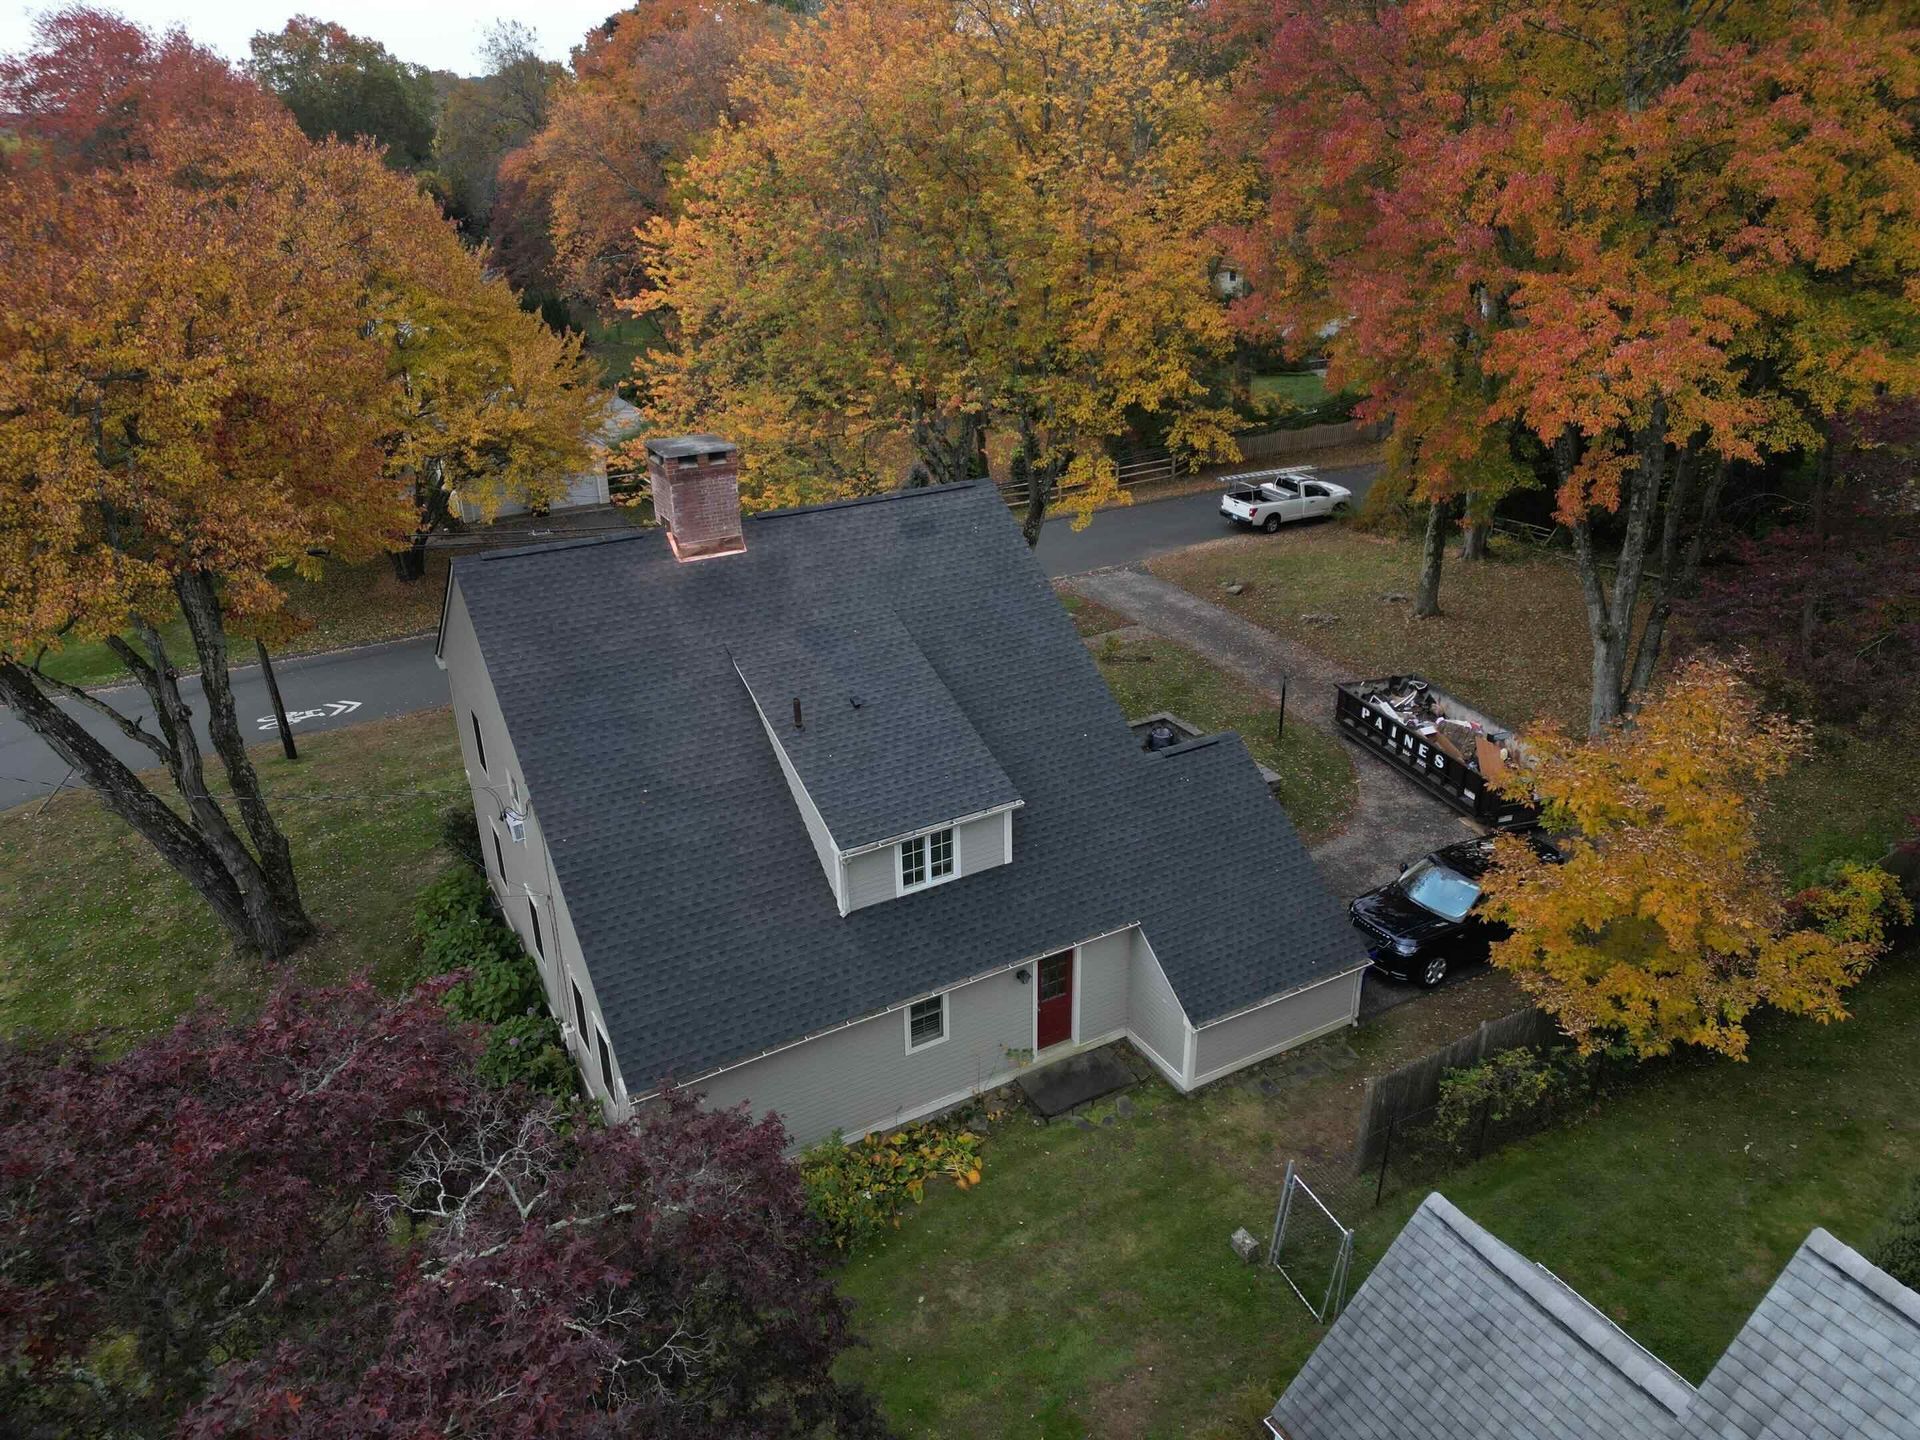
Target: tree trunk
[157, 822]
[1610, 617]
[1039, 482]
[1473, 540]
[1433, 553]
[436, 506]
[1678, 566]
[201, 606]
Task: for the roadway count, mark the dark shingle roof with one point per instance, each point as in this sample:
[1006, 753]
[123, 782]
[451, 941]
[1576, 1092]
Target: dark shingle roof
[686, 869]
[882, 748]
[1832, 1353]
[1456, 1335]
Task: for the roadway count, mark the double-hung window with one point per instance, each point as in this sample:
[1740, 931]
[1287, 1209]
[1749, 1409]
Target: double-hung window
[925, 859]
[926, 1023]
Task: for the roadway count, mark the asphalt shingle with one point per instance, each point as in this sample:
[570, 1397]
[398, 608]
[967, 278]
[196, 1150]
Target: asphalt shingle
[711, 933]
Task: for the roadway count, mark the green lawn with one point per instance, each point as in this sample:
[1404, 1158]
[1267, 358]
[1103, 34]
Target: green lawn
[96, 930]
[1512, 641]
[1148, 674]
[615, 344]
[1085, 1287]
[348, 605]
[1296, 390]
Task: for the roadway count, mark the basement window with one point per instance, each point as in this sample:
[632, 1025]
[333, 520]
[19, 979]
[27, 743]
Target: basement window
[926, 1023]
[925, 859]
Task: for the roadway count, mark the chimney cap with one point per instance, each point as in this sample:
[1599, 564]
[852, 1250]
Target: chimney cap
[674, 447]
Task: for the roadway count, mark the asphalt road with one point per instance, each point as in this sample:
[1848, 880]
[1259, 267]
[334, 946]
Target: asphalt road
[375, 682]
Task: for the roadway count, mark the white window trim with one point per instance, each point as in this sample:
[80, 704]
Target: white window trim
[946, 1022]
[900, 886]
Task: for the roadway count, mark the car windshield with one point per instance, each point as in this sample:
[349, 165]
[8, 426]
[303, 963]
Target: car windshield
[1434, 887]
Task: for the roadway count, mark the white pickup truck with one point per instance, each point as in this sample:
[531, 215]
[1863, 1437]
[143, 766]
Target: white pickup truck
[1269, 499]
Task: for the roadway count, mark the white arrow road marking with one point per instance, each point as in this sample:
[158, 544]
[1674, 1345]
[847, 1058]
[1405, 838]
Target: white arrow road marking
[325, 712]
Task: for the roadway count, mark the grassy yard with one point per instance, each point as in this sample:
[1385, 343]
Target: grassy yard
[96, 930]
[1086, 1286]
[614, 345]
[1513, 641]
[348, 605]
[1296, 390]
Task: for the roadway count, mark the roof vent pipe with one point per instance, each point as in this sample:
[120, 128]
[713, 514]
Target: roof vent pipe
[796, 714]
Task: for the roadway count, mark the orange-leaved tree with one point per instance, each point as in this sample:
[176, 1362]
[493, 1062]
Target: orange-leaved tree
[942, 218]
[208, 376]
[1658, 239]
[1665, 926]
[647, 87]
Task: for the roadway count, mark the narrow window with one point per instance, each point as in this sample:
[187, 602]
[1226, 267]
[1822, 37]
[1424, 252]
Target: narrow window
[499, 855]
[940, 852]
[479, 742]
[926, 1022]
[579, 1007]
[539, 940]
[913, 862]
[606, 1064]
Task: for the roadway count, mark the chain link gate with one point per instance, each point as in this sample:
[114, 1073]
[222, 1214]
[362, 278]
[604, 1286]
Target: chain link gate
[1311, 1249]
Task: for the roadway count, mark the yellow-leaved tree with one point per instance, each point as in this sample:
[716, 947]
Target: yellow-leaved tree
[224, 349]
[943, 218]
[1665, 926]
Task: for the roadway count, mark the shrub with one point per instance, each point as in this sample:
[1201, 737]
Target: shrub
[459, 932]
[857, 1190]
[1898, 1252]
[460, 835]
[1500, 1087]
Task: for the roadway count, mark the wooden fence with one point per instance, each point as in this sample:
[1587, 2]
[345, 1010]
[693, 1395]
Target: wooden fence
[1414, 1089]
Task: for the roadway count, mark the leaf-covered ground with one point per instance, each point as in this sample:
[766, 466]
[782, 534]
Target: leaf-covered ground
[1512, 641]
[96, 930]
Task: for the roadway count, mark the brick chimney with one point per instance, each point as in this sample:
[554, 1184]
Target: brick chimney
[696, 494]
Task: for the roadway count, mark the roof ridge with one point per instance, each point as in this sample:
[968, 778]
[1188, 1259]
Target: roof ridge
[1864, 1273]
[908, 493]
[1574, 1313]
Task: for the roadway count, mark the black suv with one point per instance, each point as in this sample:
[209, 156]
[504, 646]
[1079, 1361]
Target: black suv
[1419, 926]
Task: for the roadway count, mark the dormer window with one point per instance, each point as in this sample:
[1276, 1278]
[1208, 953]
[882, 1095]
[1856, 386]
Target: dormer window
[926, 859]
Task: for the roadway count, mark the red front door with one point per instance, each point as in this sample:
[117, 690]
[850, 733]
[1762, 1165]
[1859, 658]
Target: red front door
[1055, 1000]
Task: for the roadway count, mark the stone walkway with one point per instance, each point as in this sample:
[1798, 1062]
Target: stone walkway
[1393, 818]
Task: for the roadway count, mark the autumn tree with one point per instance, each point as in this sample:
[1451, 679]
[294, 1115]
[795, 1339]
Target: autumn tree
[345, 85]
[485, 118]
[322, 1223]
[943, 218]
[646, 89]
[220, 359]
[1661, 239]
[1665, 926]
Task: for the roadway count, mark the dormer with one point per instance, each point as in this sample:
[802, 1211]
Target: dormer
[899, 792]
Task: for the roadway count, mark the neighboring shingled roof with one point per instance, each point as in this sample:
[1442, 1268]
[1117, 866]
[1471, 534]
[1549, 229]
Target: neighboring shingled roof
[1832, 1353]
[1456, 1335]
[685, 865]
[882, 747]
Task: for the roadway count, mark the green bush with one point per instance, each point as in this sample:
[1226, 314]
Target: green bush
[860, 1189]
[1898, 1252]
[455, 924]
[1502, 1086]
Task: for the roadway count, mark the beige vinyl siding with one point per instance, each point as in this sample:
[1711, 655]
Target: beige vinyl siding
[862, 1077]
[1291, 1020]
[1159, 1024]
[1102, 987]
[978, 845]
[870, 876]
[527, 864]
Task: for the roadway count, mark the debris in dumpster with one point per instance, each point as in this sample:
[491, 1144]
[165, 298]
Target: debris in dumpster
[1449, 747]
